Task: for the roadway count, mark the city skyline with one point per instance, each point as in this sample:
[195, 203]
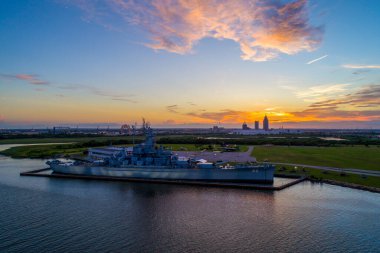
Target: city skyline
[305, 64]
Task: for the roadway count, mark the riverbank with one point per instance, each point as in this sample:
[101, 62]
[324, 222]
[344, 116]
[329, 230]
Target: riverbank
[345, 184]
[66, 150]
[43, 151]
[370, 183]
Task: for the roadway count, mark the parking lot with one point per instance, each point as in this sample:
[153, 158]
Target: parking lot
[220, 156]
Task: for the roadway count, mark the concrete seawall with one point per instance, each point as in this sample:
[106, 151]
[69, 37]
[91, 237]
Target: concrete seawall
[344, 184]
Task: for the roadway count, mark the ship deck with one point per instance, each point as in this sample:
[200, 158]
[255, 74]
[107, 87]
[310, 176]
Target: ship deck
[279, 183]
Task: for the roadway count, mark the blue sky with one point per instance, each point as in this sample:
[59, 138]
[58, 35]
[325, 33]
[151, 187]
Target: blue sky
[179, 64]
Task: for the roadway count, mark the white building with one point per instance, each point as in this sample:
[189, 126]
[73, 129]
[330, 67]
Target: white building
[261, 131]
[101, 153]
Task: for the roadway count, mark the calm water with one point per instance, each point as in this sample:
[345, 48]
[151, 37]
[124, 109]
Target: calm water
[63, 215]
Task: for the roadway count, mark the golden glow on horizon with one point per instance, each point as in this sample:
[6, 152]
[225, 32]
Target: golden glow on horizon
[159, 117]
[208, 87]
[91, 109]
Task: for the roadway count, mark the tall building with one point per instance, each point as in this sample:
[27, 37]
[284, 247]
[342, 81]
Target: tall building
[245, 126]
[257, 125]
[266, 123]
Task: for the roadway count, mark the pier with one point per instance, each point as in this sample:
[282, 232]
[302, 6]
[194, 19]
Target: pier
[267, 187]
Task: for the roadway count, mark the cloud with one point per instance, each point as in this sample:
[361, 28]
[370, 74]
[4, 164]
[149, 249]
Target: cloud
[34, 80]
[263, 29]
[318, 59]
[360, 71]
[172, 108]
[24, 77]
[169, 122]
[367, 96]
[117, 96]
[271, 108]
[347, 107]
[125, 100]
[335, 102]
[226, 115]
[346, 124]
[321, 92]
[326, 114]
[353, 66]
[29, 78]
[331, 103]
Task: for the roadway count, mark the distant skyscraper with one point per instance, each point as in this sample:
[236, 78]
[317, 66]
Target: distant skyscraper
[266, 123]
[257, 125]
[244, 126]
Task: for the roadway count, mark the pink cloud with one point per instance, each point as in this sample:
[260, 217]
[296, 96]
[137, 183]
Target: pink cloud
[25, 77]
[263, 29]
[39, 82]
[226, 115]
[30, 78]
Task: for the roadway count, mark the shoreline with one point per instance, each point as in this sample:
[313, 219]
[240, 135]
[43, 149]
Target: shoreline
[296, 175]
[345, 184]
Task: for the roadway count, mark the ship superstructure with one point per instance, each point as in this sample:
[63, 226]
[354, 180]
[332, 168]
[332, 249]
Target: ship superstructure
[143, 154]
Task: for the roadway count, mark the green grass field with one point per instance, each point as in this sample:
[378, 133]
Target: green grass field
[66, 139]
[359, 157]
[42, 151]
[51, 150]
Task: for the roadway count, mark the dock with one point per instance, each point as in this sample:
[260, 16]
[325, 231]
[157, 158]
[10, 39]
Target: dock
[42, 173]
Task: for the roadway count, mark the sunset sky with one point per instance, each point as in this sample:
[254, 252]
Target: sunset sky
[306, 64]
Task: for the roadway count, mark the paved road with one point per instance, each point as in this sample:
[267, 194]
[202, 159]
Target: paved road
[223, 156]
[353, 171]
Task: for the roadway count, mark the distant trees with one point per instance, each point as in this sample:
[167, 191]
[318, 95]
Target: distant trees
[262, 140]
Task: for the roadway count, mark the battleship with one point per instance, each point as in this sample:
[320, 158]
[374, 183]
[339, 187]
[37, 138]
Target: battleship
[151, 162]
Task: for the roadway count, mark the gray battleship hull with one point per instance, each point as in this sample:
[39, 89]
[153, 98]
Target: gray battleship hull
[258, 174]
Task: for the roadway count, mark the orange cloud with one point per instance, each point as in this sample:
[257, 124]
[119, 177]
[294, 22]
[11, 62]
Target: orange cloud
[263, 29]
[308, 115]
[234, 116]
[329, 114]
[362, 105]
[367, 96]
